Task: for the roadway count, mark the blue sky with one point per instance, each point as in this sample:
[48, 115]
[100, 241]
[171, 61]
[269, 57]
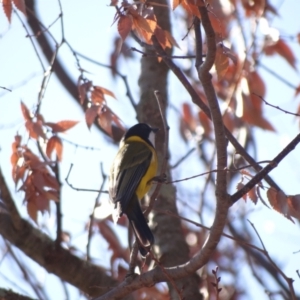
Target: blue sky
[87, 26]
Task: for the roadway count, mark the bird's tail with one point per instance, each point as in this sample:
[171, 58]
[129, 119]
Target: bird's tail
[140, 227]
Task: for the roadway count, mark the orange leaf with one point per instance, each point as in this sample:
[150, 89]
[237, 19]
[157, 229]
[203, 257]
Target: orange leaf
[20, 5]
[297, 91]
[161, 37]
[171, 39]
[221, 62]
[294, 206]
[124, 26]
[38, 180]
[25, 112]
[52, 195]
[90, 115]
[58, 148]
[188, 117]
[105, 91]
[19, 173]
[83, 89]
[54, 143]
[175, 3]
[61, 126]
[32, 211]
[192, 9]
[105, 120]
[7, 7]
[14, 159]
[252, 195]
[50, 181]
[256, 84]
[98, 94]
[278, 201]
[144, 24]
[252, 113]
[239, 186]
[205, 122]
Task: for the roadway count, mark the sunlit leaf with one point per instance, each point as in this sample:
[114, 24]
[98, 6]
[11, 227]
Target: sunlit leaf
[25, 112]
[54, 143]
[20, 5]
[32, 211]
[7, 7]
[61, 126]
[90, 115]
[125, 26]
[294, 206]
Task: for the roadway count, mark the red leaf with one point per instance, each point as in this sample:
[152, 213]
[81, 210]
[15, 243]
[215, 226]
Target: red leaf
[7, 7]
[175, 3]
[90, 115]
[284, 50]
[105, 91]
[83, 89]
[124, 26]
[188, 117]
[32, 211]
[50, 181]
[252, 113]
[52, 195]
[256, 84]
[221, 62]
[54, 143]
[297, 91]
[278, 201]
[25, 112]
[105, 120]
[294, 206]
[61, 126]
[161, 37]
[205, 122]
[20, 5]
[19, 173]
[252, 195]
[239, 186]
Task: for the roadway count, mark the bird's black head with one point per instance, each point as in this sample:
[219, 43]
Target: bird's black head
[143, 131]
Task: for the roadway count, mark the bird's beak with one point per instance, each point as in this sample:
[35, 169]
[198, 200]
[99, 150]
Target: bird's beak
[155, 129]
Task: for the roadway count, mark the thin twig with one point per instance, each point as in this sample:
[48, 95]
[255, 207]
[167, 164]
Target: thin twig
[200, 103]
[4, 88]
[275, 106]
[287, 279]
[92, 217]
[239, 241]
[267, 169]
[216, 170]
[31, 40]
[167, 275]
[124, 77]
[183, 158]
[81, 189]
[145, 54]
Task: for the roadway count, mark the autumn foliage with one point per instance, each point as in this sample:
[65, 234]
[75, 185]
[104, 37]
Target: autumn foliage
[234, 88]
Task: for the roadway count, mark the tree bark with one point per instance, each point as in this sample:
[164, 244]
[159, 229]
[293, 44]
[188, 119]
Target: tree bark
[172, 248]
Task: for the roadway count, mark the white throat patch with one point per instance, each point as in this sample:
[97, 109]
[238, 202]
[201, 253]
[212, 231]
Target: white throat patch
[152, 138]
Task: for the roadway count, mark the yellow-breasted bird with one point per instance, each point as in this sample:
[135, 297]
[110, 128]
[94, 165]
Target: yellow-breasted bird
[132, 171]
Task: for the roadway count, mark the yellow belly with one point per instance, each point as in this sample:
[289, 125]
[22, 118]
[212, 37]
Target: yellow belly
[146, 183]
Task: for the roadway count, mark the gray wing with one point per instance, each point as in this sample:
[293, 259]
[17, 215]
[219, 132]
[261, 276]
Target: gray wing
[127, 172]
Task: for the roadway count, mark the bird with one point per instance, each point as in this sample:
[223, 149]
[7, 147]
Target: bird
[131, 176]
